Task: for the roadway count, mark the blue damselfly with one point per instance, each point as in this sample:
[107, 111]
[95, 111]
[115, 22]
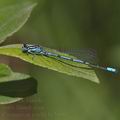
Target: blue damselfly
[39, 50]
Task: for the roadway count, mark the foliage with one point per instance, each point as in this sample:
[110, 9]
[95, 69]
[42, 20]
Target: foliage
[13, 16]
[63, 24]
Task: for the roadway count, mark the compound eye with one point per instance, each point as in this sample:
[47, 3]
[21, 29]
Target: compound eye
[24, 45]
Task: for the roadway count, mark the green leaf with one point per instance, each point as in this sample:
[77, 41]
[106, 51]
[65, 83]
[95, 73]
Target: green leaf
[67, 67]
[4, 70]
[15, 86]
[8, 100]
[13, 15]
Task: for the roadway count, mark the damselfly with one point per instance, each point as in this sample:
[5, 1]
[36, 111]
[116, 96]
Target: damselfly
[38, 50]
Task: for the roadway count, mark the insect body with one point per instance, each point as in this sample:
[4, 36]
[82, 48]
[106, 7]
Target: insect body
[38, 50]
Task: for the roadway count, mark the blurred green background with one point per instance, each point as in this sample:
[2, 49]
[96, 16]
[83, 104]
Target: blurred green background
[71, 25]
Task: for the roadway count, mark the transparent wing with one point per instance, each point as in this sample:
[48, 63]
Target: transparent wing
[89, 55]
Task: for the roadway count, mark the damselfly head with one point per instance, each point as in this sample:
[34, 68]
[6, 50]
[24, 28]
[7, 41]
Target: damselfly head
[29, 48]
